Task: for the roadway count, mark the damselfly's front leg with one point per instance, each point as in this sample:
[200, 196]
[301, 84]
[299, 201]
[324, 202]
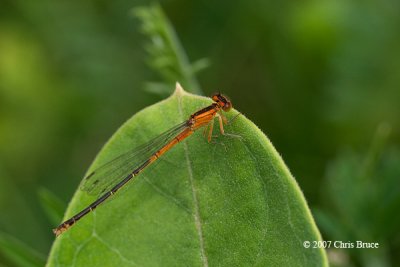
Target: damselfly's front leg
[210, 131]
[223, 120]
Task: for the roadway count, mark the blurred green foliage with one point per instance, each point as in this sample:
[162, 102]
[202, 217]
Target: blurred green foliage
[166, 53]
[318, 77]
[362, 201]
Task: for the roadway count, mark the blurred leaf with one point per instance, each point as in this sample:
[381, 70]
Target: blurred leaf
[365, 196]
[19, 219]
[200, 65]
[158, 88]
[229, 203]
[18, 253]
[167, 55]
[51, 204]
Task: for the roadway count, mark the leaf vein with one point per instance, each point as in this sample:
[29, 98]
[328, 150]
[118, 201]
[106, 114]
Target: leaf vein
[196, 214]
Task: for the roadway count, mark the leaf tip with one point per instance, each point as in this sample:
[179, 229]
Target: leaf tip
[179, 91]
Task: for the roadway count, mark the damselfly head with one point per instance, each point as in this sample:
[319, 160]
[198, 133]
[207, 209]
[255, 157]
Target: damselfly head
[222, 101]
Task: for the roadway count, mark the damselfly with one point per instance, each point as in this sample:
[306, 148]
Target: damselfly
[109, 178]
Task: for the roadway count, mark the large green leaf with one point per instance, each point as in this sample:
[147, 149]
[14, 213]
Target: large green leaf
[227, 203]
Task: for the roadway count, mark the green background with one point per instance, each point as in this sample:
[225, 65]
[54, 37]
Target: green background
[320, 78]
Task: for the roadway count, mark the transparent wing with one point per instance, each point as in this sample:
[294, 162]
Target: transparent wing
[106, 176]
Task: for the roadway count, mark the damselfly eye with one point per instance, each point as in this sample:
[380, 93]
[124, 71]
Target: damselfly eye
[227, 107]
[222, 101]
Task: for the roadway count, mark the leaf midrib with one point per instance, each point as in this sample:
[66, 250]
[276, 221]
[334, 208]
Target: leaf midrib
[196, 214]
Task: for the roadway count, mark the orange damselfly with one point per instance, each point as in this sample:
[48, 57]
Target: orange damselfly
[110, 177]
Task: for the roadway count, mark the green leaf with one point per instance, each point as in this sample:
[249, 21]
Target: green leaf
[18, 253]
[231, 202]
